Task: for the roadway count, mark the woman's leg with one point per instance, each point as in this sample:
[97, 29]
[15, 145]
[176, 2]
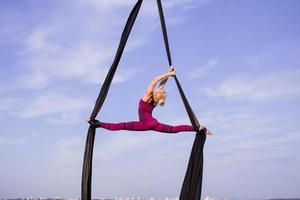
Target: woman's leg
[131, 126]
[165, 128]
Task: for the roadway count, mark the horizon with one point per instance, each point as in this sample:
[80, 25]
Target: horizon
[141, 198]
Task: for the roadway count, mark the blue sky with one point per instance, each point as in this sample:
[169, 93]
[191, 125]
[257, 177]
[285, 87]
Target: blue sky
[238, 62]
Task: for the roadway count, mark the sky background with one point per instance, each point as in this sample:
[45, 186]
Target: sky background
[239, 65]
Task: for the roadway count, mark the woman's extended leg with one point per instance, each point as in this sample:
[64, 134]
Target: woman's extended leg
[131, 126]
[165, 128]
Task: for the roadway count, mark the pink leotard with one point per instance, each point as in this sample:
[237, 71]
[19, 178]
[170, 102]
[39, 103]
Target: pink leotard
[146, 122]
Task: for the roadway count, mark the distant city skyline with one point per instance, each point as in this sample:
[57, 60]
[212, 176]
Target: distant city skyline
[139, 198]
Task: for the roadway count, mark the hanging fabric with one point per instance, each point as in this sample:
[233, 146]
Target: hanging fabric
[86, 180]
[192, 184]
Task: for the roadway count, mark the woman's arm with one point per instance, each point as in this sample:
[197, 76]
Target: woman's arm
[164, 81]
[152, 85]
[161, 78]
[155, 81]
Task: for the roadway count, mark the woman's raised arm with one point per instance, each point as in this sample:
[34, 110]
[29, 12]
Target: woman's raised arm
[152, 85]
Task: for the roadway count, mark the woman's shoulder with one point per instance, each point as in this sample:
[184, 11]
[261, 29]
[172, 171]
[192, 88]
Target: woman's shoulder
[148, 98]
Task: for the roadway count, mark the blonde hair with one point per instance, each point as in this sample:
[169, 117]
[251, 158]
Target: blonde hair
[159, 97]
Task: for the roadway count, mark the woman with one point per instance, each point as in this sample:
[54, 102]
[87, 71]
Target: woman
[147, 103]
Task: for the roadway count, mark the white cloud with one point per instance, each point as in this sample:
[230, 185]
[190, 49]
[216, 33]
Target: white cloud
[68, 152]
[17, 141]
[205, 69]
[51, 103]
[63, 171]
[238, 122]
[48, 58]
[71, 117]
[35, 80]
[187, 4]
[47, 65]
[78, 64]
[8, 103]
[246, 133]
[108, 4]
[115, 4]
[255, 88]
[120, 145]
[125, 157]
[38, 40]
[64, 108]
[247, 142]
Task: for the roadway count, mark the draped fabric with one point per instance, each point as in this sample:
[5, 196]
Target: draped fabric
[86, 180]
[192, 185]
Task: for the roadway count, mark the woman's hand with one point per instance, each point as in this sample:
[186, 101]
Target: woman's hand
[171, 71]
[208, 132]
[171, 68]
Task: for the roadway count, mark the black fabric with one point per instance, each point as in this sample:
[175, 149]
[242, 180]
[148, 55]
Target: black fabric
[113, 68]
[192, 184]
[86, 180]
[94, 123]
[191, 188]
[165, 35]
[164, 30]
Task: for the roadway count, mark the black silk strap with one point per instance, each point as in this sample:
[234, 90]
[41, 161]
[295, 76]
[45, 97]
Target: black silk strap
[165, 35]
[113, 68]
[164, 31]
[191, 188]
[192, 184]
[86, 180]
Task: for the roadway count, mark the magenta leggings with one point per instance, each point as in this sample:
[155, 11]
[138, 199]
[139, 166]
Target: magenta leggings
[146, 122]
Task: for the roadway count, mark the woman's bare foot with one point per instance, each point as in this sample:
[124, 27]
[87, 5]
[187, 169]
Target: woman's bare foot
[208, 132]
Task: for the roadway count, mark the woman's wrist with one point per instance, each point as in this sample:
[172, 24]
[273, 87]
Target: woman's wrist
[161, 77]
[164, 76]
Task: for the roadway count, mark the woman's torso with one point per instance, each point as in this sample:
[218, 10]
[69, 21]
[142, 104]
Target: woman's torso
[146, 108]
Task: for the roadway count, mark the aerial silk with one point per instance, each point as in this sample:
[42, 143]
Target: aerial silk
[192, 184]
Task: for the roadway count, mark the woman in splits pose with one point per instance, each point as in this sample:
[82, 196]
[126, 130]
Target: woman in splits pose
[147, 103]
